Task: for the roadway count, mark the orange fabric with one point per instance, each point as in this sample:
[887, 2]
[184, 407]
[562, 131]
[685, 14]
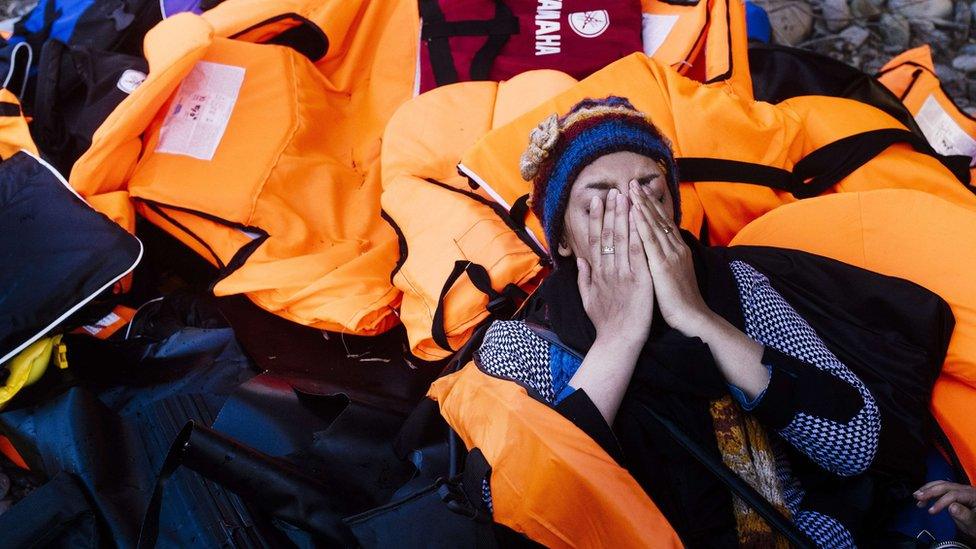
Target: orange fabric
[549, 480]
[289, 204]
[7, 449]
[118, 318]
[907, 234]
[422, 143]
[14, 133]
[704, 122]
[911, 76]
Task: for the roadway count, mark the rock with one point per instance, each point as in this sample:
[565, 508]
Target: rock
[965, 63]
[895, 31]
[855, 36]
[924, 30]
[836, 14]
[953, 81]
[792, 20]
[922, 9]
[963, 17]
[968, 49]
[865, 9]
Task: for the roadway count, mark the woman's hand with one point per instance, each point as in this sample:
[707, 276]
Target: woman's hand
[676, 288]
[618, 297]
[959, 498]
[614, 279]
[670, 263]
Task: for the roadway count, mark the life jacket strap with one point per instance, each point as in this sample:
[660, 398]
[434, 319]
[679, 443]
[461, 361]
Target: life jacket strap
[501, 304]
[437, 31]
[816, 172]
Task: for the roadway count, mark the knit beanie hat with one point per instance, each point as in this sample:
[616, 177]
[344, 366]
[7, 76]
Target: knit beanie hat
[559, 149]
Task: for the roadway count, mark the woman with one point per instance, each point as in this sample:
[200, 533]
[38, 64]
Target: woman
[665, 329]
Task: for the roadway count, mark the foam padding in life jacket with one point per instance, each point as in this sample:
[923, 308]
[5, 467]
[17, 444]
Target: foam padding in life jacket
[707, 124]
[705, 40]
[441, 222]
[911, 76]
[549, 480]
[906, 234]
[288, 206]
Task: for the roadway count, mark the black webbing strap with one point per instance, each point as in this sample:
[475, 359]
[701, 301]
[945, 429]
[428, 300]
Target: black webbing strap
[437, 31]
[520, 210]
[692, 169]
[500, 304]
[438, 47]
[812, 175]
[504, 25]
[739, 487]
[9, 109]
[717, 468]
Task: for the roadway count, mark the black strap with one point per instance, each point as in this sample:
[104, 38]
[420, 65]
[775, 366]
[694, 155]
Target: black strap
[438, 47]
[726, 476]
[437, 32]
[9, 109]
[812, 175]
[504, 25]
[520, 210]
[500, 304]
[733, 482]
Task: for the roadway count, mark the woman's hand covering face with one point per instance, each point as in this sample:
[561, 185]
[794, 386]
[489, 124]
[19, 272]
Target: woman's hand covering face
[670, 263]
[616, 287]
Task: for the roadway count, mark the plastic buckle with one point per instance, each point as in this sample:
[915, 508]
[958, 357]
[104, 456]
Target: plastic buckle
[455, 498]
[501, 306]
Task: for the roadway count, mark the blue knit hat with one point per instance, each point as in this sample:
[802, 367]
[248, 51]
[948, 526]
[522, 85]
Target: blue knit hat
[560, 148]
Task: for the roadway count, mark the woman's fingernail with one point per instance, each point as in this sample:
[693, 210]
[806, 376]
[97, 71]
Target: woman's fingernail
[955, 509]
[918, 493]
[612, 194]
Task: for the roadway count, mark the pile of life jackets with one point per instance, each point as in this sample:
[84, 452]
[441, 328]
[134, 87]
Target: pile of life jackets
[287, 143]
[293, 220]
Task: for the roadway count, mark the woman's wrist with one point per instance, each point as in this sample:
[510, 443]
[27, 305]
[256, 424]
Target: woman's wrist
[623, 341]
[700, 323]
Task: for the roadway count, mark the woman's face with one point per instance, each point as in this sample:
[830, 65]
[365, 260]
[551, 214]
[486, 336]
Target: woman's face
[612, 171]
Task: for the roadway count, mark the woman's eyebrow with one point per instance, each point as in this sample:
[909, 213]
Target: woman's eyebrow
[649, 177]
[606, 184]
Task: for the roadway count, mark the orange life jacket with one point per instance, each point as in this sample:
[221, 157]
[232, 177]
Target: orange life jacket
[550, 480]
[462, 257]
[255, 140]
[911, 76]
[798, 148]
[14, 133]
[907, 234]
[705, 40]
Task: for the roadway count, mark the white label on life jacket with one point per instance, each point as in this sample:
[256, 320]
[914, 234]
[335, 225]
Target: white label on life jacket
[130, 80]
[105, 322]
[942, 132]
[654, 30]
[200, 111]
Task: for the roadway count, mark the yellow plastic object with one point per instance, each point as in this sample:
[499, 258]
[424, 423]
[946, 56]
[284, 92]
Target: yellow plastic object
[28, 366]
